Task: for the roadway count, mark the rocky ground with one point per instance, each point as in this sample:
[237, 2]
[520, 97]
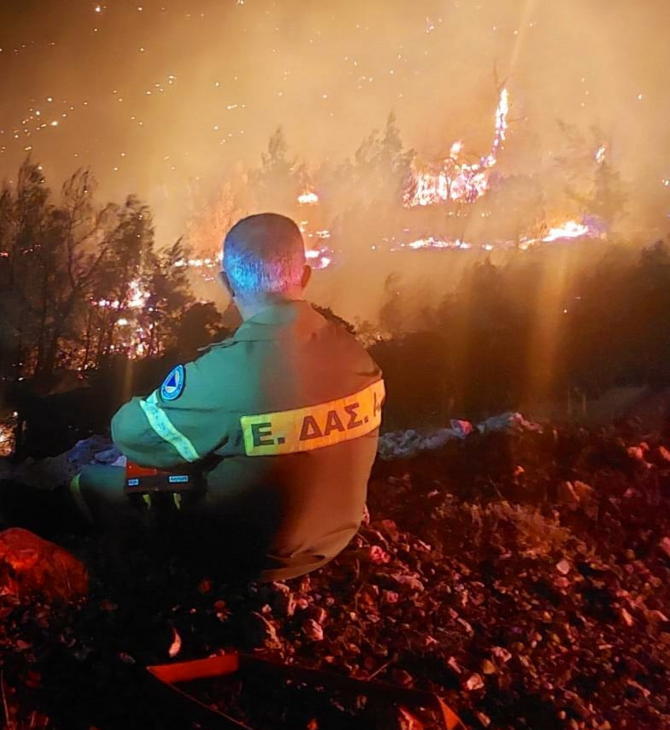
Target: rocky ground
[522, 575]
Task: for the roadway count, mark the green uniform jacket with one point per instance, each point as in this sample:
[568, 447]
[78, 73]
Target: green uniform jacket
[291, 403]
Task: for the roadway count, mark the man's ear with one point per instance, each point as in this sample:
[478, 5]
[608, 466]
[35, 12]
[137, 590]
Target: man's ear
[225, 283]
[306, 276]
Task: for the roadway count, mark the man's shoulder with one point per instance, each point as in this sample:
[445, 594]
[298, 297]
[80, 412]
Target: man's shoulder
[218, 345]
[219, 357]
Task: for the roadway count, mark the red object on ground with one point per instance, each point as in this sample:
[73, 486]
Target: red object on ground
[31, 566]
[169, 676]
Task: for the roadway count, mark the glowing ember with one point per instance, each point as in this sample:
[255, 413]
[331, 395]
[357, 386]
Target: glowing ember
[459, 180]
[601, 154]
[309, 197]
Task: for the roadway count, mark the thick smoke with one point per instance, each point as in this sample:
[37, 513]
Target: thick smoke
[173, 100]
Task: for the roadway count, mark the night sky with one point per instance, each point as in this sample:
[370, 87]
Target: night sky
[167, 97]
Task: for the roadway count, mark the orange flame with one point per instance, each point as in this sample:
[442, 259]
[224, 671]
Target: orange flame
[459, 181]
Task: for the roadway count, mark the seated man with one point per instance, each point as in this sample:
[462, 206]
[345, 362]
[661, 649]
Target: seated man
[280, 422]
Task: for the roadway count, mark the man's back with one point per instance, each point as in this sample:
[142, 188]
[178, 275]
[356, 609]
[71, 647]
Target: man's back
[286, 413]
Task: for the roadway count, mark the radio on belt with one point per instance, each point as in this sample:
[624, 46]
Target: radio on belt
[140, 480]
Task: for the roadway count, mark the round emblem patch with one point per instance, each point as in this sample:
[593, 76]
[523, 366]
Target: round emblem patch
[173, 385]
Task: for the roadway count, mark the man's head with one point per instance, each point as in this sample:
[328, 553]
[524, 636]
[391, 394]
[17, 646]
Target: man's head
[264, 261]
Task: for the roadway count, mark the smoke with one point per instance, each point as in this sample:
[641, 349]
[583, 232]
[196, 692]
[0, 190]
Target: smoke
[174, 99]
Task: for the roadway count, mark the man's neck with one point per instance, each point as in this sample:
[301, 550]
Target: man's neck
[251, 308]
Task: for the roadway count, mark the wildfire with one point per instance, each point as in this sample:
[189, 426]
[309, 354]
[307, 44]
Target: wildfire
[320, 258]
[566, 231]
[137, 298]
[309, 197]
[459, 180]
[570, 229]
[436, 243]
[456, 149]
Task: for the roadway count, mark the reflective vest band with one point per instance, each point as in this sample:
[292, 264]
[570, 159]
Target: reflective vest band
[305, 429]
[78, 497]
[163, 426]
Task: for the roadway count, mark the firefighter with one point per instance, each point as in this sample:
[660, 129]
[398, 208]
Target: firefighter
[280, 422]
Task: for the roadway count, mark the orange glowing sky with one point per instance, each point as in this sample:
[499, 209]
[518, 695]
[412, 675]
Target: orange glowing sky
[165, 97]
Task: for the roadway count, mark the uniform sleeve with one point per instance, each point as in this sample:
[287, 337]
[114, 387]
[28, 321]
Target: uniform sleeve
[169, 432]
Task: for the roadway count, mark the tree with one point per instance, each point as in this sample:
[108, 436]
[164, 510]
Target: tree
[199, 325]
[279, 180]
[593, 182]
[117, 289]
[392, 313]
[169, 289]
[85, 237]
[382, 166]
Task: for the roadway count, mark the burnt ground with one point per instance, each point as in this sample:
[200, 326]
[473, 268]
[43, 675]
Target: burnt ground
[523, 577]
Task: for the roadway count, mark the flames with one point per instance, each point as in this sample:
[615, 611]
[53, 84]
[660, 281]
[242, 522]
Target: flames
[456, 180]
[569, 229]
[566, 231]
[137, 298]
[436, 243]
[319, 258]
[309, 197]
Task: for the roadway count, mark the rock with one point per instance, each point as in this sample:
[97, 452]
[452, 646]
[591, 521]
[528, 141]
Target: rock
[33, 567]
[474, 682]
[567, 493]
[563, 567]
[660, 456]
[578, 495]
[313, 630]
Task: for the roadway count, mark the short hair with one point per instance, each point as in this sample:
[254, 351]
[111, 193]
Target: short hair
[264, 254]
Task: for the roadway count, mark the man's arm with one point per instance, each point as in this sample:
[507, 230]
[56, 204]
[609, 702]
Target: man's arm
[179, 423]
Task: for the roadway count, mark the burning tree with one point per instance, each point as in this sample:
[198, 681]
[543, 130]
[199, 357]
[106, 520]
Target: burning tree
[81, 281]
[593, 183]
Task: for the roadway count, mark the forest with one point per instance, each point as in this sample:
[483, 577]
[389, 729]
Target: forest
[89, 297]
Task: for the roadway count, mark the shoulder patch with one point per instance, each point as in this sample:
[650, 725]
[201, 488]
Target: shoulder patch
[173, 385]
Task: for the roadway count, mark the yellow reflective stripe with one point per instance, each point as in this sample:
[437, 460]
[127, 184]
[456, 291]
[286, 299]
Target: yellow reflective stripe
[305, 429]
[163, 426]
[78, 497]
